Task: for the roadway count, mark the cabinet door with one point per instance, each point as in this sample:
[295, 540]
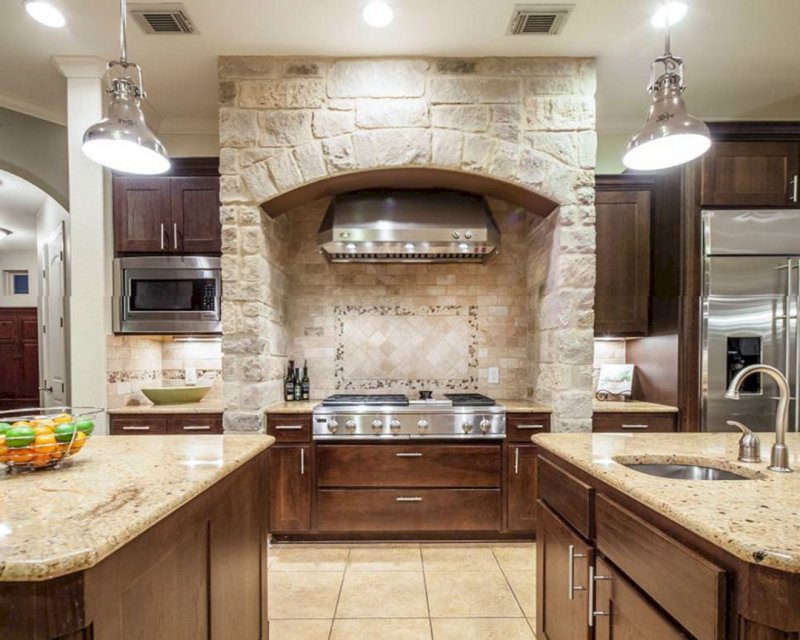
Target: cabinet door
[195, 226]
[623, 613]
[622, 289]
[290, 489]
[751, 174]
[562, 577]
[142, 215]
[195, 424]
[521, 487]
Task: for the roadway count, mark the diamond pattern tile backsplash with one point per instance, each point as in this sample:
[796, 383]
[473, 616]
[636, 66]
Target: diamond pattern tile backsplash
[382, 347]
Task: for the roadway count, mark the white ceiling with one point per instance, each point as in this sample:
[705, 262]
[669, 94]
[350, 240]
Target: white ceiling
[20, 202]
[741, 55]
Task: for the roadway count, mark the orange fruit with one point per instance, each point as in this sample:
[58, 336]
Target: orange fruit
[3, 449]
[40, 460]
[42, 429]
[45, 443]
[22, 455]
[56, 455]
[21, 423]
[80, 440]
[62, 418]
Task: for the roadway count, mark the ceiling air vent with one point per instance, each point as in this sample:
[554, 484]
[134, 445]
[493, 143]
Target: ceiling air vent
[539, 19]
[162, 18]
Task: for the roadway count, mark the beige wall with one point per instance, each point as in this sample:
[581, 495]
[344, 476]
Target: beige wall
[610, 149]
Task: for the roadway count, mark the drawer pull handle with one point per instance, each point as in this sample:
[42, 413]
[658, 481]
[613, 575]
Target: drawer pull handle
[635, 426]
[530, 426]
[592, 613]
[288, 427]
[302, 462]
[571, 571]
[197, 427]
[132, 428]
[408, 499]
[408, 455]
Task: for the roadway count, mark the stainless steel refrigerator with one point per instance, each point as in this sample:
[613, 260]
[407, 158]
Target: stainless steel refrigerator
[751, 288]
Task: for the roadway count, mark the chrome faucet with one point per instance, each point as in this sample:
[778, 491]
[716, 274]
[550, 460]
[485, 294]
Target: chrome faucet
[779, 460]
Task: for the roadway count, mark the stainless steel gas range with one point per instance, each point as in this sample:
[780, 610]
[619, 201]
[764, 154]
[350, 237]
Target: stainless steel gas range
[459, 416]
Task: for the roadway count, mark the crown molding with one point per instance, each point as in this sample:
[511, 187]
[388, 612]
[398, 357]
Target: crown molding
[28, 108]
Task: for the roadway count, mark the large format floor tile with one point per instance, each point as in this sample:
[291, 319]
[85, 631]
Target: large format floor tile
[481, 629]
[458, 559]
[310, 559]
[303, 594]
[385, 559]
[383, 629]
[470, 594]
[516, 557]
[299, 629]
[523, 584]
[383, 594]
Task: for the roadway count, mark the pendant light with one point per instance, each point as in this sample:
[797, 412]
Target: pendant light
[123, 141]
[671, 135]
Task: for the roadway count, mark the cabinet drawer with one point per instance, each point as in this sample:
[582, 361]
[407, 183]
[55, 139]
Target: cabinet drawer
[392, 510]
[195, 424]
[634, 422]
[520, 427]
[423, 465]
[290, 428]
[689, 587]
[141, 425]
[566, 495]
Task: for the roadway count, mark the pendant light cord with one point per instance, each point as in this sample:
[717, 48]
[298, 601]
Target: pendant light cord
[123, 32]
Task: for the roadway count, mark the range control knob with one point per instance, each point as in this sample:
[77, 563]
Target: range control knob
[468, 234]
[333, 426]
[423, 425]
[485, 425]
[456, 235]
[394, 426]
[350, 426]
[467, 427]
[377, 426]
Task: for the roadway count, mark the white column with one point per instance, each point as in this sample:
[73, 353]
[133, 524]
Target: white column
[88, 250]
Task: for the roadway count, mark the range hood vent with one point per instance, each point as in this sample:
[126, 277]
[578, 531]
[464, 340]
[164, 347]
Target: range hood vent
[408, 225]
[162, 18]
[539, 19]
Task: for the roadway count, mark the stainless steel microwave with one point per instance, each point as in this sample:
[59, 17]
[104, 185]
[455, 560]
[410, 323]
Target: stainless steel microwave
[167, 295]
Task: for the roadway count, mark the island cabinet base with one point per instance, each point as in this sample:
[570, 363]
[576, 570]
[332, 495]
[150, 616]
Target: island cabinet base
[610, 567]
[199, 573]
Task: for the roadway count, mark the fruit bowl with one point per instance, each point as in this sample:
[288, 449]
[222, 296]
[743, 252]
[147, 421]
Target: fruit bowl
[42, 438]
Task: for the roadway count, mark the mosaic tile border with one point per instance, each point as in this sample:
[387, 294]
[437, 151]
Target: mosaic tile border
[158, 374]
[341, 312]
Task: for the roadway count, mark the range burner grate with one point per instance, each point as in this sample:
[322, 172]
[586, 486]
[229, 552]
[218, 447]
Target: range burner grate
[370, 399]
[470, 400]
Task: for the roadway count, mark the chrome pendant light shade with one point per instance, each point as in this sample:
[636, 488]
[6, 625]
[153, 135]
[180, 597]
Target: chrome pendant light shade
[671, 136]
[123, 141]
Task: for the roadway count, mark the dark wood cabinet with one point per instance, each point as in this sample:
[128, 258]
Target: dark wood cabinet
[165, 424]
[521, 488]
[751, 174]
[166, 215]
[634, 422]
[19, 355]
[291, 473]
[622, 288]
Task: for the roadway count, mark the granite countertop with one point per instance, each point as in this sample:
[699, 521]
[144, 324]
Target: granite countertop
[631, 406]
[515, 405]
[64, 520]
[306, 406]
[208, 406]
[300, 406]
[755, 520]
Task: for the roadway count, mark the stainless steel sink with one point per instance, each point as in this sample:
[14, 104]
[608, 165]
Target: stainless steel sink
[685, 472]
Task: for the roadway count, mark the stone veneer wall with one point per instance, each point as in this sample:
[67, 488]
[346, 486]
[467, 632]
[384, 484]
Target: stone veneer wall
[286, 122]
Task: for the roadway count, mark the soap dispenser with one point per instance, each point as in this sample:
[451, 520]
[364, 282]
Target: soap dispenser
[749, 444]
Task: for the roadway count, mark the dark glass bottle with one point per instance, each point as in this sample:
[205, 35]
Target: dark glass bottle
[305, 383]
[288, 385]
[298, 386]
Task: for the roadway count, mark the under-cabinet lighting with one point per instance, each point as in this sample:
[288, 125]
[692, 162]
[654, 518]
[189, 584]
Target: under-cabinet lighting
[196, 339]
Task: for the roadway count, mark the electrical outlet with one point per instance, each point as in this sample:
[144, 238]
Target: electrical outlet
[494, 375]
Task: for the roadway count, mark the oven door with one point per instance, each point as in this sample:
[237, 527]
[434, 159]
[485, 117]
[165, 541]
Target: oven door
[170, 295]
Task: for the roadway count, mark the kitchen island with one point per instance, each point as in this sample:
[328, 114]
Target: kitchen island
[627, 554]
[160, 537]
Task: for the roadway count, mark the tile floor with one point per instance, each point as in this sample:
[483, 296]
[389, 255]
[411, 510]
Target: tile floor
[437, 591]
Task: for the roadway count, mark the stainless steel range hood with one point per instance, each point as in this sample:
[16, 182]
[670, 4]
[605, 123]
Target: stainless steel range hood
[405, 225]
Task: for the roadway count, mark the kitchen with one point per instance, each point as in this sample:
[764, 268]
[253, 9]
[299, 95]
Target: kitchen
[396, 322]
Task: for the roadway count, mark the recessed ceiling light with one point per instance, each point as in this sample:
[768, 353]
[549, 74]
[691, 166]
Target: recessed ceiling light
[45, 12]
[669, 13]
[378, 14]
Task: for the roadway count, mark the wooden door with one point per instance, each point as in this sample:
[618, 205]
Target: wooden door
[142, 221]
[196, 226]
[521, 488]
[622, 289]
[19, 358]
[751, 174]
[623, 613]
[563, 559]
[290, 489]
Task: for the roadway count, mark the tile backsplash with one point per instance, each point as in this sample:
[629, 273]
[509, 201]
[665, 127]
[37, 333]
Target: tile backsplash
[136, 362]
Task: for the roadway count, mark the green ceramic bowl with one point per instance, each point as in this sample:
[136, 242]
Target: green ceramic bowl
[176, 395]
